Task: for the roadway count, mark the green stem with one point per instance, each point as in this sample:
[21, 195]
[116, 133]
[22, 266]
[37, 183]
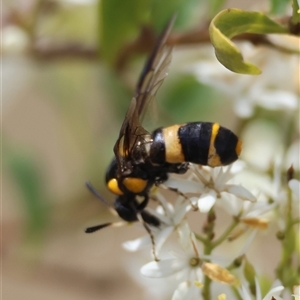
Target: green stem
[200, 238]
[209, 245]
[206, 288]
[296, 15]
[285, 269]
[294, 222]
[236, 293]
[226, 233]
[210, 226]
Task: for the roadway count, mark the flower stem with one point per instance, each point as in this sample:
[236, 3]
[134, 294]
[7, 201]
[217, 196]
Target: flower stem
[286, 272]
[236, 293]
[208, 247]
[296, 12]
[200, 238]
[225, 234]
[206, 288]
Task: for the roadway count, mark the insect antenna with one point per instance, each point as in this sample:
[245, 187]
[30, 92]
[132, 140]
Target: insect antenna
[96, 193]
[97, 227]
[104, 225]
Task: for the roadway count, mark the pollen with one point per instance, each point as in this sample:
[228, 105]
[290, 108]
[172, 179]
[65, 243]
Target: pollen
[222, 297]
[256, 223]
[198, 284]
[219, 274]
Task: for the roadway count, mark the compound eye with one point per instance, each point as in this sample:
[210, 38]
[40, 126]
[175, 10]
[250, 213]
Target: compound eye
[135, 185]
[113, 186]
[238, 148]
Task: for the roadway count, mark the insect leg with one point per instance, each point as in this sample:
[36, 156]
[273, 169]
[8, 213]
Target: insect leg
[178, 192]
[140, 218]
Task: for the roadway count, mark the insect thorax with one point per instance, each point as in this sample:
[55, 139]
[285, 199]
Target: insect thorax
[140, 151]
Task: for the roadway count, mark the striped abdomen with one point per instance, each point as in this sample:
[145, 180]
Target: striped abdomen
[197, 142]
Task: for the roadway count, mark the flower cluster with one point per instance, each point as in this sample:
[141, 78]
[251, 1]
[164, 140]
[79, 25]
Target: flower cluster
[189, 262]
[216, 223]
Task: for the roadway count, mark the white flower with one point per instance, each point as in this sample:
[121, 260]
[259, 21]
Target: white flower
[274, 292]
[246, 209]
[252, 216]
[170, 216]
[153, 288]
[210, 183]
[271, 90]
[258, 151]
[187, 268]
[184, 266]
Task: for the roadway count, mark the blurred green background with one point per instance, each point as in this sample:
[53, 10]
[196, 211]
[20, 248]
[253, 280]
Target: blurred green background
[68, 74]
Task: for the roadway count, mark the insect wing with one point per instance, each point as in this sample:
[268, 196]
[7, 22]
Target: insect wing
[152, 76]
[155, 71]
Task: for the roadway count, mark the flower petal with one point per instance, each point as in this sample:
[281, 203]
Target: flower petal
[274, 292]
[278, 99]
[137, 244]
[185, 186]
[221, 176]
[294, 185]
[162, 236]
[181, 210]
[185, 291]
[240, 192]
[257, 288]
[248, 242]
[206, 201]
[185, 235]
[244, 293]
[162, 268]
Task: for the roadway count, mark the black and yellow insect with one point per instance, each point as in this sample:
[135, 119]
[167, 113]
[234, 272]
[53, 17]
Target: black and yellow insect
[143, 159]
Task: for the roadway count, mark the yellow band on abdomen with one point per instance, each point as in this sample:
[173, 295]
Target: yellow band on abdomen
[173, 146]
[213, 157]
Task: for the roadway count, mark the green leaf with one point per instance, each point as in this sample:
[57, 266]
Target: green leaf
[232, 22]
[120, 22]
[296, 15]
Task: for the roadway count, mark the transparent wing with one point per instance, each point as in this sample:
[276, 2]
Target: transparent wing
[152, 76]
